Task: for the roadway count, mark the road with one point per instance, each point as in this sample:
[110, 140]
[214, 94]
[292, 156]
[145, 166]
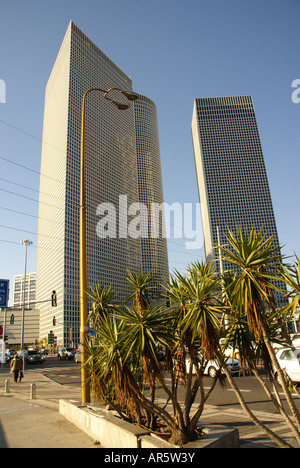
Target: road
[68, 373]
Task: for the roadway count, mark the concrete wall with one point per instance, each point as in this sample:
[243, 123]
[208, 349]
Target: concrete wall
[112, 432]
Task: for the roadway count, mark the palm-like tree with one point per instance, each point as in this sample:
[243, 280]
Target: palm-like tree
[124, 355]
[195, 300]
[257, 260]
[104, 300]
[291, 275]
[255, 257]
[139, 284]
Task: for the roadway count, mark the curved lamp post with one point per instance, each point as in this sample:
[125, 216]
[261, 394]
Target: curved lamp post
[131, 96]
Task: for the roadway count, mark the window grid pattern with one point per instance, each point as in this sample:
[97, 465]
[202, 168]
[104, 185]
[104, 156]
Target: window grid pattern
[111, 170]
[232, 177]
[154, 251]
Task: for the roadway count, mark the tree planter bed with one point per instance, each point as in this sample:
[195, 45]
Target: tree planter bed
[112, 432]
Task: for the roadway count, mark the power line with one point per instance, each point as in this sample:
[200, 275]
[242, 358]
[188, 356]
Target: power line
[32, 246]
[28, 188]
[29, 198]
[30, 215]
[40, 140]
[28, 232]
[29, 169]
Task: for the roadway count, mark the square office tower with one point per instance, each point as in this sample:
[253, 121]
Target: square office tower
[110, 171]
[232, 177]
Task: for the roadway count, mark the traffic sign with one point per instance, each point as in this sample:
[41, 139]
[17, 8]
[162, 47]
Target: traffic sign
[4, 293]
[50, 338]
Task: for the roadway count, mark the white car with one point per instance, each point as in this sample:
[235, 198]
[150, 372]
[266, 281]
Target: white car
[296, 340]
[230, 351]
[290, 361]
[212, 367]
[3, 358]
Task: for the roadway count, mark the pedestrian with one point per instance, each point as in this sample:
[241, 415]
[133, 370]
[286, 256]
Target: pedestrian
[16, 368]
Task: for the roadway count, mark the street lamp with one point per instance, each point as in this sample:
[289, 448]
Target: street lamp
[131, 96]
[25, 242]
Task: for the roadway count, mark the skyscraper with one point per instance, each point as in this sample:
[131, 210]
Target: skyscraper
[232, 177]
[111, 170]
[154, 250]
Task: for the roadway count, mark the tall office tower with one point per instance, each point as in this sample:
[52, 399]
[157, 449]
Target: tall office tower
[154, 249]
[232, 178]
[111, 170]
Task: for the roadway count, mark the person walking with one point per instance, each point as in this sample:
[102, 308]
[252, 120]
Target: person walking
[16, 367]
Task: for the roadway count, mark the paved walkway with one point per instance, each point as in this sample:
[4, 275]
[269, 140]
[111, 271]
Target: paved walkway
[26, 423]
[38, 424]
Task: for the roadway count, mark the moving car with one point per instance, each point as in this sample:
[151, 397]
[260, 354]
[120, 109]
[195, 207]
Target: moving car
[66, 353]
[77, 357]
[290, 361]
[34, 356]
[10, 354]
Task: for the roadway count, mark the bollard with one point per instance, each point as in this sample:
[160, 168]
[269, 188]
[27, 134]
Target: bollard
[7, 386]
[32, 391]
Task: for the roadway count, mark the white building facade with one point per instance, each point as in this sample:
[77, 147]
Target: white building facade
[111, 170]
[28, 286]
[13, 327]
[117, 151]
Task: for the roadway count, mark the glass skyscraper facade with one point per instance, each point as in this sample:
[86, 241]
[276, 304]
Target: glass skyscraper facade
[232, 178]
[154, 250]
[110, 171]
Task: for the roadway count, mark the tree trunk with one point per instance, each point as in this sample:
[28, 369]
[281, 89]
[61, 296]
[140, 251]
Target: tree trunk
[178, 438]
[278, 440]
[278, 404]
[281, 375]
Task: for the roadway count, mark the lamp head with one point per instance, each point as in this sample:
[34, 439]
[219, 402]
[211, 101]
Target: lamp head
[131, 96]
[120, 105]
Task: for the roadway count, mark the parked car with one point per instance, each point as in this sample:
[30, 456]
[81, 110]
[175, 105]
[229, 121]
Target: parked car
[290, 361]
[279, 344]
[77, 357]
[212, 367]
[34, 356]
[66, 353]
[283, 344]
[296, 340]
[230, 351]
[4, 359]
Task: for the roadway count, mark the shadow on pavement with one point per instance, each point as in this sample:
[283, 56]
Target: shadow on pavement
[3, 443]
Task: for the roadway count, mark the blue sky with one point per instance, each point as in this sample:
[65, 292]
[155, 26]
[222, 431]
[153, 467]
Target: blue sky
[174, 51]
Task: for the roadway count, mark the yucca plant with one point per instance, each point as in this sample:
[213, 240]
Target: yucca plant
[104, 300]
[123, 357]
[291, 276]
[139, 284]
[202, 307]
[257, 260]
[195, 299]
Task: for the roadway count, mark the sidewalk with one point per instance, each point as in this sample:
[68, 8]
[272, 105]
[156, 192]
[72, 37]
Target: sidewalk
[38, 424]
[26, 423]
